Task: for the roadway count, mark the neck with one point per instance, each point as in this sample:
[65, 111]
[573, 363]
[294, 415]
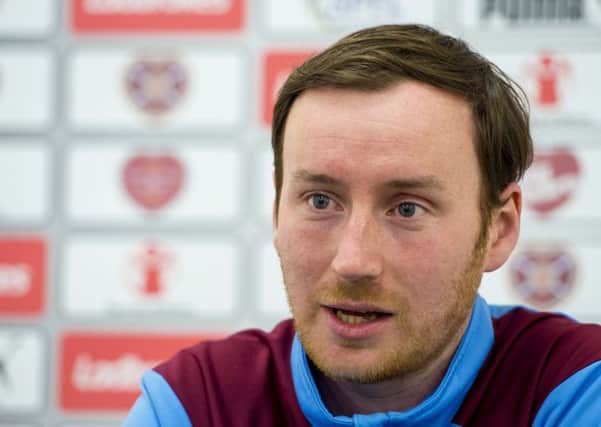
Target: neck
[343, 397]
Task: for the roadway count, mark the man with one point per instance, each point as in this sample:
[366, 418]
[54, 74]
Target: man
[397, 155]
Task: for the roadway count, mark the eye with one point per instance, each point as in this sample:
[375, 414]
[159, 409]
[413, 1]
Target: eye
[319, 201]
[407, 209]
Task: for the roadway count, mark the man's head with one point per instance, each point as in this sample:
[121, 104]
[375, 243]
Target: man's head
[376, 58]
[396, 155]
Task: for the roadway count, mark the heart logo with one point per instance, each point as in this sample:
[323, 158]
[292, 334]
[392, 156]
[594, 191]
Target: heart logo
[153, 180]
[543, 278]
[155, 86]
[356, 12]
[551, 180]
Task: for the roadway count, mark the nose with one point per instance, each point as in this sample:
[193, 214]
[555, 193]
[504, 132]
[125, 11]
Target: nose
[358, 257]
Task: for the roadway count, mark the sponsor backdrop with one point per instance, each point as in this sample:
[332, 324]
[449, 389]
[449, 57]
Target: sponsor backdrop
[135, 176]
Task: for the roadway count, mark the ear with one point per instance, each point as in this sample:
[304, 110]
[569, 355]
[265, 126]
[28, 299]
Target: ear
[504, 228]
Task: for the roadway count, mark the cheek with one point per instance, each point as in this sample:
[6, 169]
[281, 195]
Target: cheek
[304, 252]
[432, 266]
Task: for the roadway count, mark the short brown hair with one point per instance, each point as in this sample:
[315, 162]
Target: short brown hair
[376, 58]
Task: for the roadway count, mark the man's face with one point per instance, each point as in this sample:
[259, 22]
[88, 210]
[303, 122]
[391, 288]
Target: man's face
[378, 228]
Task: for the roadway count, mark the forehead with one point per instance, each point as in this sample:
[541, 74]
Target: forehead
[410, 128]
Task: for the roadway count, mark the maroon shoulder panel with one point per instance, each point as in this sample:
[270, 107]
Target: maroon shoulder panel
[532, 354]
[242, 380]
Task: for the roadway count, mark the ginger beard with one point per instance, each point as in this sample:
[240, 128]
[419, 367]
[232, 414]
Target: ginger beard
[419, 343]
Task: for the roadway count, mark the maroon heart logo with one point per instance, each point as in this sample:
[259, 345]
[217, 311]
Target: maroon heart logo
[155, 86]
[153, 180]
[551, 180]
[543, 278]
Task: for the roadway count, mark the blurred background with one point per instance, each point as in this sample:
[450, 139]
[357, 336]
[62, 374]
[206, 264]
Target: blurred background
[135, 176]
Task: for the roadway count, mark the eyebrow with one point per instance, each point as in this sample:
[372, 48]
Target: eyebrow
[316, 178]
[427, 182]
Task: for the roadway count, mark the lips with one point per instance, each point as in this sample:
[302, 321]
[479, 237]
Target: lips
[356, 322]
[353, 314]
[354, 319]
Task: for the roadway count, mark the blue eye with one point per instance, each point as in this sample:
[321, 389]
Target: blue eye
[407, 210]
[320, 201]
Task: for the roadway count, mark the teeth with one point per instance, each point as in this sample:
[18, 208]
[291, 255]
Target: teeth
[355, 319]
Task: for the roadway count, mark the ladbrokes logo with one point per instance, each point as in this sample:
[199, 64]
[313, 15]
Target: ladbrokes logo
[153, 180]
[15, 280]
[113, 375]
[156, 15]
[103, 371]
[22, 275]
[551, 180]
[277, 66]
[543, 277]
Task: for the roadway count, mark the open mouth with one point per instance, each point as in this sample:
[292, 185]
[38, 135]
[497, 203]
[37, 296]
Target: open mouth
[357, 317]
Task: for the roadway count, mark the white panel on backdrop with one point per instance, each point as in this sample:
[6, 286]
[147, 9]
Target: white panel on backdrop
[265, 185]
[470, 12]
[560, 85]
[25, 183]
[557, 276]
[322, 15]
[104, 275]
[22, 381]
[530, 14]
[562, 183]
[119, 184]
[26, 18]
[272, 296]
[154, 89]
[26, 89]
[593, 11]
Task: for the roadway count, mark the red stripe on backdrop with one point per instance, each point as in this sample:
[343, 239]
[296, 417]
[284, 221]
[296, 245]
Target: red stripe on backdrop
[23, 275]
[277, 66]
[96, 16]
[102, 371]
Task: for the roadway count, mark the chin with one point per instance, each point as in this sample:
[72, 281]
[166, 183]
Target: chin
[350, 363]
